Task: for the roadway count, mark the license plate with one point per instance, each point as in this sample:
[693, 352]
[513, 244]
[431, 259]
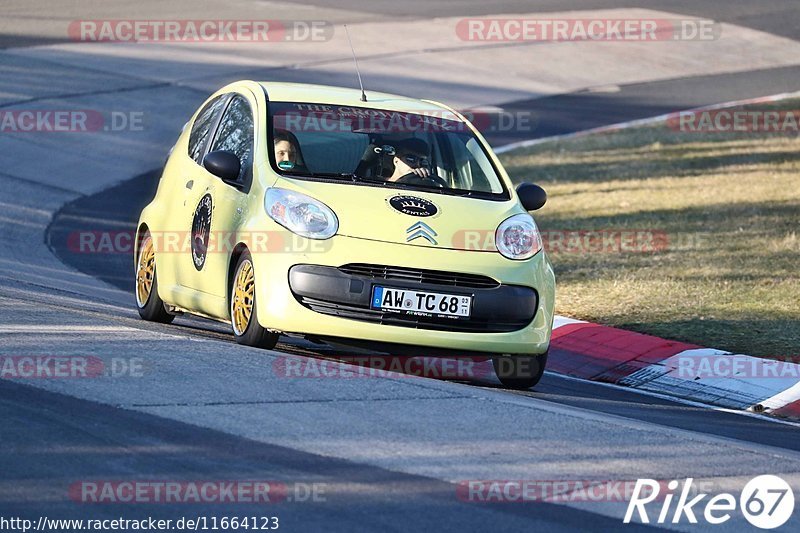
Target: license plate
[421, 303]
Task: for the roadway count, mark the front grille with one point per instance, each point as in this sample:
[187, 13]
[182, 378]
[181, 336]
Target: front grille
[436, 277]
[395, 319]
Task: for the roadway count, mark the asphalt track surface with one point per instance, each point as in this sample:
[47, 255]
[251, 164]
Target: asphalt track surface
[365, 499]
[27, 23]
[116, 208]
[573, 429]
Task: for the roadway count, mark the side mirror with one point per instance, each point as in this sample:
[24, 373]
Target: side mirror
[531, 196]
[224, 165]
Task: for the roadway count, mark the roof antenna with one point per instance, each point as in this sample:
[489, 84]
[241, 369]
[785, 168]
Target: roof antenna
[363, 96]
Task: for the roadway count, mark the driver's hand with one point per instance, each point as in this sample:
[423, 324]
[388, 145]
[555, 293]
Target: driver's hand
[422, 172]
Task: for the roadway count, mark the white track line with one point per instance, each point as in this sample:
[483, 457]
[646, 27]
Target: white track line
[677, 399]
[645, 121]
[58, 329]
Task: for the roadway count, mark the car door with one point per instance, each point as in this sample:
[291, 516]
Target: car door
[219, 208]
[192, 182]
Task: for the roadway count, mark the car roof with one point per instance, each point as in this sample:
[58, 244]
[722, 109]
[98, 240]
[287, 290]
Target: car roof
[349, 96]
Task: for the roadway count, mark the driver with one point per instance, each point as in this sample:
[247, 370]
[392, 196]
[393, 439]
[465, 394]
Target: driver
[411, 157]
[286, 150]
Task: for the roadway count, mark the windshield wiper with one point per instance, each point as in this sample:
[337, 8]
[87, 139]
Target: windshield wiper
[457, 192]
[352, 176]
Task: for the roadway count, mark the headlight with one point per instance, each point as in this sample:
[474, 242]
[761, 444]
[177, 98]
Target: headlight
[300, 214]
[517, 237]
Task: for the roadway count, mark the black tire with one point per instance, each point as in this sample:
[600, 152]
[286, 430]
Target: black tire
[253, 334]
[151, 308]
[520, 372]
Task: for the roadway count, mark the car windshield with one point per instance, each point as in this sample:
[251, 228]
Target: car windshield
[426, 151]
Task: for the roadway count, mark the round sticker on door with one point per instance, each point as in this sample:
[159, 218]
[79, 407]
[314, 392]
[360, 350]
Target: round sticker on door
[201, 231]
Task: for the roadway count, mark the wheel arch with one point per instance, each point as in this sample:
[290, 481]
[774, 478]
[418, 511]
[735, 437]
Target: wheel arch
[237, 252]
[137, 242]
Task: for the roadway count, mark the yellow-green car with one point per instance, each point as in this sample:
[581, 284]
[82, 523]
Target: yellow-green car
[378, 220]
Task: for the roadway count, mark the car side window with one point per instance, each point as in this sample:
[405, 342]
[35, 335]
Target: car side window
[235, 133]
[204, 126]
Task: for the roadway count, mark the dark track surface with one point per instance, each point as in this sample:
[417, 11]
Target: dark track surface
[77, 440]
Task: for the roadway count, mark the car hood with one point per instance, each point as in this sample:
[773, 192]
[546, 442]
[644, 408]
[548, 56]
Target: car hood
[409, 217]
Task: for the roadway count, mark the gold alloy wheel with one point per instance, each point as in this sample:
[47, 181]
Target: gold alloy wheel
[244, 288]
[145, 271]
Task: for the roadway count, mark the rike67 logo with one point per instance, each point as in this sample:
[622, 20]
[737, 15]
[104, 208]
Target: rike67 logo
[766, 502]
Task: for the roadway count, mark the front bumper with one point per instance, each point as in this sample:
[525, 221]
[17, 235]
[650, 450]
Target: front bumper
[514, 317]
[347, 292]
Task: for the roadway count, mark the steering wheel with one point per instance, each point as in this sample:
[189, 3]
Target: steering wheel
[413, 179]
